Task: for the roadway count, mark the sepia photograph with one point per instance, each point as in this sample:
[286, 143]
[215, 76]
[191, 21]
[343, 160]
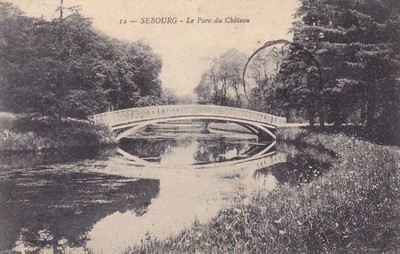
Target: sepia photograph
[199, 126]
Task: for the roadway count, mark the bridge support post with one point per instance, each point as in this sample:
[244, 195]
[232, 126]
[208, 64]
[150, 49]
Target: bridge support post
[205, 129]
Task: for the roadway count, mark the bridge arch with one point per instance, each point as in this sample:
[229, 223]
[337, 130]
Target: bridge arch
[127, 121]
[122, 118]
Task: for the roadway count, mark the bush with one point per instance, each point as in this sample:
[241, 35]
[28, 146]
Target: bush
[35, 132]
[11, 141]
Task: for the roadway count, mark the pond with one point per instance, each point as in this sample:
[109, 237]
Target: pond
[84, 201]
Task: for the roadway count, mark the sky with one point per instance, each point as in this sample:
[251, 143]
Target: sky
[187, 49]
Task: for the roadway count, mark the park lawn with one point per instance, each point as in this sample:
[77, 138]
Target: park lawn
[353, 208]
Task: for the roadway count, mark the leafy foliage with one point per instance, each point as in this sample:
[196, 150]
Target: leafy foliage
[355, 75]
[284, 79]
[63, 67]
[37, 132]
[357, 46]
[222, 84]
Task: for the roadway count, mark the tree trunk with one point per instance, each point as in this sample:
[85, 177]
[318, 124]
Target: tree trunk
[371, 106]
[322, 116]
[370, 113]
[363, 116]
[288, 115]
[311, 115]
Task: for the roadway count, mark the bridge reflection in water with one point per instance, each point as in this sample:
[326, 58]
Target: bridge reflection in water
[199, 162]
[198, 153]
[103, 213]
[129, 121]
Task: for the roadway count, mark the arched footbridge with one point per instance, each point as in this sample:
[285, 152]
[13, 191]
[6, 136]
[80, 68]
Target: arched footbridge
[127, 121]
[123, 120]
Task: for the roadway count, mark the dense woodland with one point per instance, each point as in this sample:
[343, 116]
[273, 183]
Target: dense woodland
[63, 67]
[342, 67]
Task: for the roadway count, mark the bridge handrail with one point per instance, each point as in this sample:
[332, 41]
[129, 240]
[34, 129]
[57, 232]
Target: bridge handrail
[124, 115]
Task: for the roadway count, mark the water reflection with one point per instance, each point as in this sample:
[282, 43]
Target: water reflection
[106, 204]
[192, 146]
[50, 156]
[55, 207]
[184, 197]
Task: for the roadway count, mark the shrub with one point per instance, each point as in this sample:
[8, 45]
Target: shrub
[11, 141]
[35, 132]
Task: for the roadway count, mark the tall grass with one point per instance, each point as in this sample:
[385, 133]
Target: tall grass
[354, 208]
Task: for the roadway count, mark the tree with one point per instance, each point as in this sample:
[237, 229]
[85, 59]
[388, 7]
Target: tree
[357, 46]
[169, 97]
[63, 67]
[222, 84]
[298, 84]
[14, 38]
[265, 93]
[206, 89]
[283, 79]
[130, 72]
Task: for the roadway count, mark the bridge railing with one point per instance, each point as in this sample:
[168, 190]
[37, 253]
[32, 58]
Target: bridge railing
[166, 111]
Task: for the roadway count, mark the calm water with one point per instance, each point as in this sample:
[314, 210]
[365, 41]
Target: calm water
[99, 202]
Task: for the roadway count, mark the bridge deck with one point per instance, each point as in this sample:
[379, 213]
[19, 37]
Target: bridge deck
[121, 117]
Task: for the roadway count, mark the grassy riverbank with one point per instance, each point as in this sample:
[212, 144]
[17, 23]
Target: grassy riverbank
[353, 208]
[32, 133]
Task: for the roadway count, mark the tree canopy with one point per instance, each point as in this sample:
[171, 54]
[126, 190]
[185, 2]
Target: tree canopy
[64, 67]
[356, 45]
[222, 83]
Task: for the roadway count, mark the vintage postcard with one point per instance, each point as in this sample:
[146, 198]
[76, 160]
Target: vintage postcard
[191, 126]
